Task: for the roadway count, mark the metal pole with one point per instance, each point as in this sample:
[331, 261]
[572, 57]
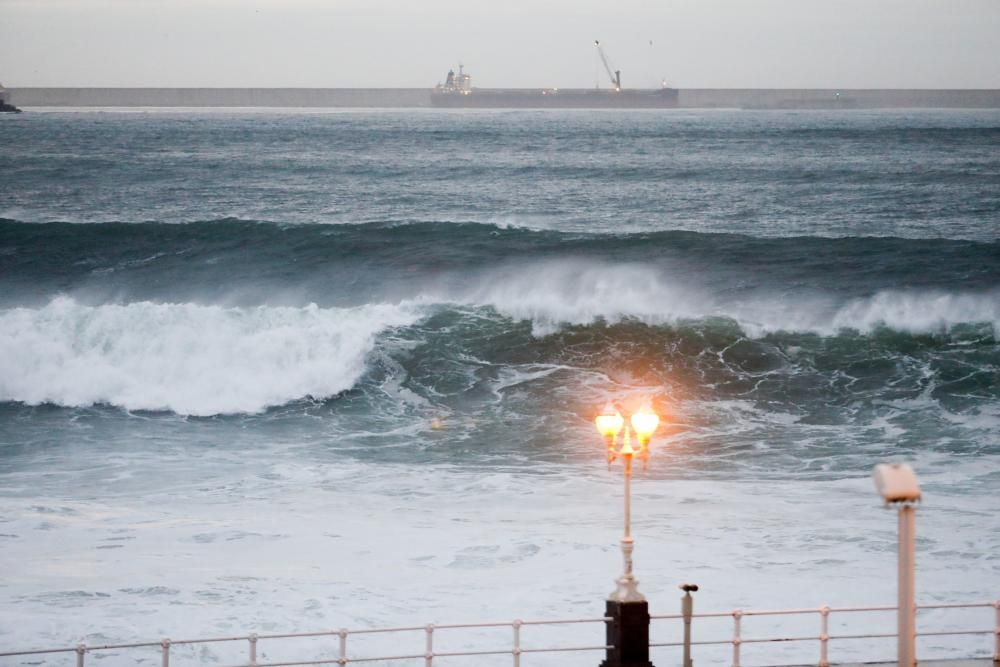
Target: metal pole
[628, 588]
[628, 496]
[687, 611]
[253, 649]
[737, 615]
[517, 643]
[627, 543]
[907, 609]
[342, 660]
[429, 654]
[166, 652]
[824, 637]
[996, 649]
[81, 651]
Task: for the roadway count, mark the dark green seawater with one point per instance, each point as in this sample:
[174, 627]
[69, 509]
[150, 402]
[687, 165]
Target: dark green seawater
[241, 355]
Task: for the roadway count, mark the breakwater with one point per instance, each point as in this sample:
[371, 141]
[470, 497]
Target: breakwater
[692, 98]
[222, 97]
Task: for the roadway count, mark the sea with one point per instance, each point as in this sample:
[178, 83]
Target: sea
[281, 371]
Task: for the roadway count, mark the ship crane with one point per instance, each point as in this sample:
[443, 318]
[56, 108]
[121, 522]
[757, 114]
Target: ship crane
[614, 74]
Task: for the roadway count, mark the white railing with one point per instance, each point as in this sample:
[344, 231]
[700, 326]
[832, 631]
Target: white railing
[737, 639]
[428, 654]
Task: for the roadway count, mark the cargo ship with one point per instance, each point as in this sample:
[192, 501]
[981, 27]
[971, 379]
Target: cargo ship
[457, 92]
[554, 98]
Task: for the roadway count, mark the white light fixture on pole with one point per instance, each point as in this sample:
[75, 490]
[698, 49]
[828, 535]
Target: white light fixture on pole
[897, 484]
[609, 423]
[627, 634]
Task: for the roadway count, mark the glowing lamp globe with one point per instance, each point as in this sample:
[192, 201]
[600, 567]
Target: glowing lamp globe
[609, 422]
[644, 422]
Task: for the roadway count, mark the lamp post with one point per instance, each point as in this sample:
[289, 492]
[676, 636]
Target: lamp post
[897, 484]
[628, 631]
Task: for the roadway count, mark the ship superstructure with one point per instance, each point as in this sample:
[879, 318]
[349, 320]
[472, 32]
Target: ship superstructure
[457, 92]
[460, 84]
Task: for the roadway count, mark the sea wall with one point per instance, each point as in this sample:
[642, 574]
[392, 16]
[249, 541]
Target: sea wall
[804, 98]
[740, 98]
[221, 97]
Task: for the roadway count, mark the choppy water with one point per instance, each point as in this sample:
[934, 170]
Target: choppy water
[292, 371]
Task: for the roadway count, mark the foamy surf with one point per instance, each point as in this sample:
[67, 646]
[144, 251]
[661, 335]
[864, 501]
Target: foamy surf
[554, 294]
[187, 358]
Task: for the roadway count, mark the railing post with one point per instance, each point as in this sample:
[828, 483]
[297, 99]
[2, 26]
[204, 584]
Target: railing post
[687, 611]
[429, 648]
[996, 631]
[342, 660]
[737, 616]
[253, 649]
[81, 651]
[517, 642]
[166, 652]
[907, 607]
[824, 636]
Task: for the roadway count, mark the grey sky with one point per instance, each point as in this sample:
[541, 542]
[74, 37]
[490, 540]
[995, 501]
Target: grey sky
[375, 43]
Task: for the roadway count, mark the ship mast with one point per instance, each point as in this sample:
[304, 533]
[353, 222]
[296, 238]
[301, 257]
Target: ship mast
[614, 74]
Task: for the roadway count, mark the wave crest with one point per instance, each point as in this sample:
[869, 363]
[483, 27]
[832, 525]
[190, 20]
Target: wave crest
[920, 312]
[551, 295]
[190, 359]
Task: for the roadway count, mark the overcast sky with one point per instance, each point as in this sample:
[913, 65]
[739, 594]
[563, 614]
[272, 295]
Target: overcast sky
[503, 43]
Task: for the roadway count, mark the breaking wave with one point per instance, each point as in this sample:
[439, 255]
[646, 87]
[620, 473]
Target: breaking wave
[205, 360]
[556, 294]
[190, 359]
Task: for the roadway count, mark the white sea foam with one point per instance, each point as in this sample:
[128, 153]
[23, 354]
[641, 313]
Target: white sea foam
[920, 312]
[557, 293]
[281, 544]
[554, 294]
[191, 359]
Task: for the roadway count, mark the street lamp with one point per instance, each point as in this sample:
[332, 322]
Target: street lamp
[609, 424]
[628, 631]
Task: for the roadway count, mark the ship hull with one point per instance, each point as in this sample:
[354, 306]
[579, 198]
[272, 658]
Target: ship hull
[497, 98]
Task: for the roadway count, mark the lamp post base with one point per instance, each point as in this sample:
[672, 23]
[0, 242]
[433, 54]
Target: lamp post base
[627, 634]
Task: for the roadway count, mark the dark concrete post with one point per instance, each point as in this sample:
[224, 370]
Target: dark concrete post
[627, 634]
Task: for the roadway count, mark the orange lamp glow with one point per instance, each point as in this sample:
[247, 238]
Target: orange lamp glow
[644, 422]
[609, 422]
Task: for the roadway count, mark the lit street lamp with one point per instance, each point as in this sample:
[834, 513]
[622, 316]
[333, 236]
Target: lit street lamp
[609, 424]
[628, 631]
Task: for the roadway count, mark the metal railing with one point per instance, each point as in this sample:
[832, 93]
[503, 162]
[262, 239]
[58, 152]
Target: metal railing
[341, 657]
[428, 654]
[737, 639]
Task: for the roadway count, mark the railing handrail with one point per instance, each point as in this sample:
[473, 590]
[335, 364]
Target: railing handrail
[516, 650]
[824, 637]
[314, 633]
[817, 610]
